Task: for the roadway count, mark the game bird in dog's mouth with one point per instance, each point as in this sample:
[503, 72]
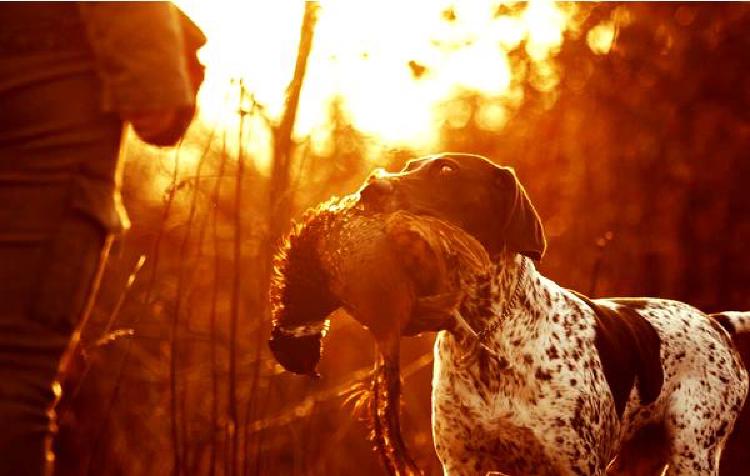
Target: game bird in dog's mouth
[530, 378]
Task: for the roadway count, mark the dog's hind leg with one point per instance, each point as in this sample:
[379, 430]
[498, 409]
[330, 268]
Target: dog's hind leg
[698, 424]
[643, 455]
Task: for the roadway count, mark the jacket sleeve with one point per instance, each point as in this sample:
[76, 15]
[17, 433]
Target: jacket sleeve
[144, 53]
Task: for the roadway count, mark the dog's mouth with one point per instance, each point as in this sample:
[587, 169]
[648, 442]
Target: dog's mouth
[382, 194]
[378, 202]
[391, 202]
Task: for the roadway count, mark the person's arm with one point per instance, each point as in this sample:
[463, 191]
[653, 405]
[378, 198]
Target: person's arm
[145, 53]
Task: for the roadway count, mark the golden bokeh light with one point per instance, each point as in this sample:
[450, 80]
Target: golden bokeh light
[601, 37]
[392, 63]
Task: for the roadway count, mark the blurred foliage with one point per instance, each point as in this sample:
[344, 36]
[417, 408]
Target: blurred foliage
[636, 156]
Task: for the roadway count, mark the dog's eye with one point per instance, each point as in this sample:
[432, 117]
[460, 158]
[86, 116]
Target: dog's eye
[445, 168]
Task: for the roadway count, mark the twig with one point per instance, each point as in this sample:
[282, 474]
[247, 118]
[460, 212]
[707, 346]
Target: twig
[147, 299]
[176, 447]
[110, 323]
[75, 341]
[155, 253]
[302, 409]
[249, 407]
[123, 294]
[279, 196]
[180, 426]
[236, 287]
[280, 193]
[212, 318]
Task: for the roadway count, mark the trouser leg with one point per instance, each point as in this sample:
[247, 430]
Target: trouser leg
[43, 288]
[58, 162]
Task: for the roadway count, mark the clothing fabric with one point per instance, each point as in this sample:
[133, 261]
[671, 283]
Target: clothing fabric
[68, 72]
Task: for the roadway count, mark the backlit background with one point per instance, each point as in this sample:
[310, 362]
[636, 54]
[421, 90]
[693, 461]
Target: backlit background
[629, 125]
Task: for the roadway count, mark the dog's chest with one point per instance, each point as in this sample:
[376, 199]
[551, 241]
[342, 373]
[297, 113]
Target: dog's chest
[539, 386]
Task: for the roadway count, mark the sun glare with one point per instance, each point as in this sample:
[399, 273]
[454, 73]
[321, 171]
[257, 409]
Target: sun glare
[392, 63]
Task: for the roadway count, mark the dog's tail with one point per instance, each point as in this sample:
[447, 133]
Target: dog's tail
[735, 322]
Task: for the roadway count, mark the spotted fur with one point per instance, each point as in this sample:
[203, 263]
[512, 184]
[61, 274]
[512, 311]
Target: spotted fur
[540, 399]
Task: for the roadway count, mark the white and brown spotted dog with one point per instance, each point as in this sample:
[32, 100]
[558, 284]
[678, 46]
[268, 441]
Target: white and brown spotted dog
[557, 384]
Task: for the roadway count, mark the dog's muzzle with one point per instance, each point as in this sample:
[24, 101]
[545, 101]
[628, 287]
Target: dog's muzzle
[379, 193]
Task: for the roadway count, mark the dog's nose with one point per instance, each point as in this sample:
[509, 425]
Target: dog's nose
[377, 187]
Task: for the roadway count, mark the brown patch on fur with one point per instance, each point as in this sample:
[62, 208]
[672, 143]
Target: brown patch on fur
[725, 322]
[645, 454]
[628, 347]
[637, 303]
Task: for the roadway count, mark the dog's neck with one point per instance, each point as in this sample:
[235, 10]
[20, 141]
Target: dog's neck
[512, 304]
[510, 275]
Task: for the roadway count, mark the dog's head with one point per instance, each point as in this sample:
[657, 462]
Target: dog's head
[484, 199]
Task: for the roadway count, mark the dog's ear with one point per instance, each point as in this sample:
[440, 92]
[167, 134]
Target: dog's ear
[520, 229]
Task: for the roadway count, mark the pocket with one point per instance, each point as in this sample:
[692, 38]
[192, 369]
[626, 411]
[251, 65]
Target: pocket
[69, 264]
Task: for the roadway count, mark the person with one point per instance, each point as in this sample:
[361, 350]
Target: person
[71, 75]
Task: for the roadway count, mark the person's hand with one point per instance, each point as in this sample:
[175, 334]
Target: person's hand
[166, 127]
[161, 128]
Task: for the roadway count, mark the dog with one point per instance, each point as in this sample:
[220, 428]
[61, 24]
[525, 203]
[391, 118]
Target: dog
[555, 383]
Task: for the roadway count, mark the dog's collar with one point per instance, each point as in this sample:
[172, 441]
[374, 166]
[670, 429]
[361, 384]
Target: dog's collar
[477, 340]
[511, 304]
[304, 330]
